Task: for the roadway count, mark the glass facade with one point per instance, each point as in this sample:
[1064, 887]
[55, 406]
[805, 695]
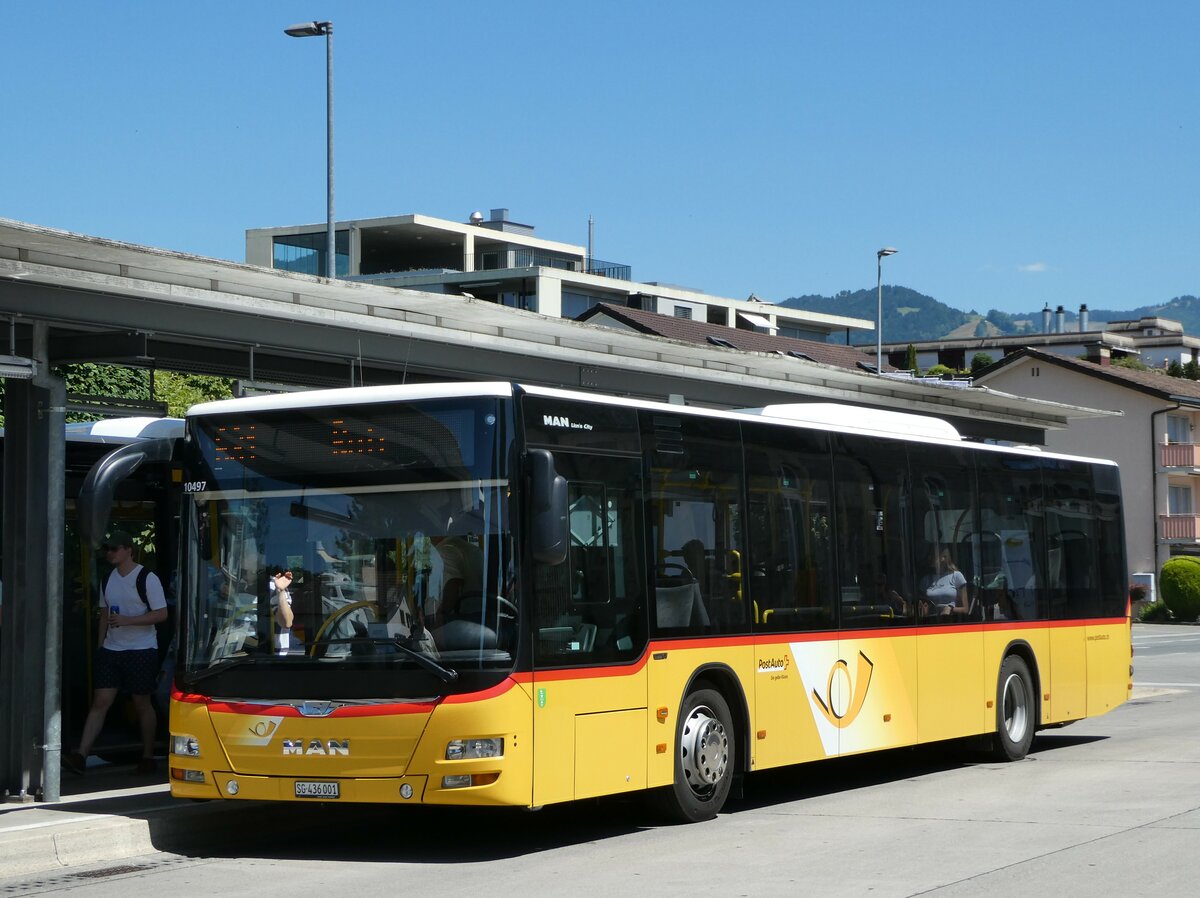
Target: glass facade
[305, 253]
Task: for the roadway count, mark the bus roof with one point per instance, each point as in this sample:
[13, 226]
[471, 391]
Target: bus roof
[820, 415]
[125, 430]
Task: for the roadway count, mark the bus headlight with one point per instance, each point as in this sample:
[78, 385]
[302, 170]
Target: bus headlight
[185, 746]
[468, 749]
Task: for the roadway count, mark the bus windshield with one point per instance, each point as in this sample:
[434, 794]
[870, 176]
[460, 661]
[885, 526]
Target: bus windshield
[369, 543]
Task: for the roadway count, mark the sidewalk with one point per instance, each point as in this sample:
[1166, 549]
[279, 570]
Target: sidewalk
[108, 814]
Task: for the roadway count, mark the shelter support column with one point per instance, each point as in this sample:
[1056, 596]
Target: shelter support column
[31, 634]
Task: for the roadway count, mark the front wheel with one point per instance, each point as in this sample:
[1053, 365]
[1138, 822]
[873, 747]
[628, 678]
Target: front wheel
[1015, 710]
[704, 759]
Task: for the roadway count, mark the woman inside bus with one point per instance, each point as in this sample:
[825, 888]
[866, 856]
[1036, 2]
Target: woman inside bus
[945, 587]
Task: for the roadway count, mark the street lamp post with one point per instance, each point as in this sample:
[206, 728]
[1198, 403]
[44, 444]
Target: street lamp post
[324, 29]
[886, 251]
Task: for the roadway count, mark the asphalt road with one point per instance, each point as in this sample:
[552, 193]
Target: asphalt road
[1107, 806]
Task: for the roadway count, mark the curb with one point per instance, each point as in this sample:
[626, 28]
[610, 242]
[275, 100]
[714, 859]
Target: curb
[73, 843]
[74, 839]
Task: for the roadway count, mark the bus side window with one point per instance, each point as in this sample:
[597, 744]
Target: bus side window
[1012, 538]
[695, 518]
[790, 530]
[946, 542]
[590, 608]
[871, 491]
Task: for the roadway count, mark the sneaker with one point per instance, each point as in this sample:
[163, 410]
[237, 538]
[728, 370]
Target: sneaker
[146, 765]
[74, 762]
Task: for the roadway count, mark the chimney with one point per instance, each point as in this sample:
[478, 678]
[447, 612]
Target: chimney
[1060, 320]
[499, 215]
[1083, 318]
[1046, 319]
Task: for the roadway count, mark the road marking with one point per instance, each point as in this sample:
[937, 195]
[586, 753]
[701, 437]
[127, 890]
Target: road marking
[1162, 636]
[1177, 685]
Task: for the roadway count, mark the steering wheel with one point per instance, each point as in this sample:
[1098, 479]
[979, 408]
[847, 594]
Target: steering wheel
[327, 626]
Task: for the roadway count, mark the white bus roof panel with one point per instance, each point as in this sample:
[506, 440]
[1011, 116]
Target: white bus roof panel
[855, 418]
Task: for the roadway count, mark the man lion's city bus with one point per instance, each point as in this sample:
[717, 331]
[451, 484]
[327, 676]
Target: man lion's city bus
[507, 595]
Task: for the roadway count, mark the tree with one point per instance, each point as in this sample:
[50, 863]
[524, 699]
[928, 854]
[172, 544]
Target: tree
[910, 359]
[177, 390]
[979, 361]
[1131, 362]
[1174, 369]
[1191, 370]
[1180, 584]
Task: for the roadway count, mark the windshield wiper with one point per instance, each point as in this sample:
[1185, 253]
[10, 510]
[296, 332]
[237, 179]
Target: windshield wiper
[445, 674]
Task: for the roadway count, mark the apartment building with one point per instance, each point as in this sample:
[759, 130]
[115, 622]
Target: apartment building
[501, 260]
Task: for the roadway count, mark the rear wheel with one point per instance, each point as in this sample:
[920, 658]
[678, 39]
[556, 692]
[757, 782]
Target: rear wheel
[704, 759]
[1015, 710]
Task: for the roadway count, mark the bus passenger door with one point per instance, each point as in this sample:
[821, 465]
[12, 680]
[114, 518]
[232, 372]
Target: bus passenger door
[589, 635]
[1071, 577]
[869, 694]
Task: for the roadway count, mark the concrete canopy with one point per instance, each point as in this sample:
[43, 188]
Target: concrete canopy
[200, 314]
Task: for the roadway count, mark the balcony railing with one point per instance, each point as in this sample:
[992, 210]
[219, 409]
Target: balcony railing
[1180, 455]
[609, 270]
[1180, 526]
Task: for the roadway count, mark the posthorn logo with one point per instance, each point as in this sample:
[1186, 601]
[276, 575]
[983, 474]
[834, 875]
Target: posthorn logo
[837, 712]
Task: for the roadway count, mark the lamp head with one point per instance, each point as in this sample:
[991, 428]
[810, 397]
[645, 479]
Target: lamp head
[887, 251]
[309, 29]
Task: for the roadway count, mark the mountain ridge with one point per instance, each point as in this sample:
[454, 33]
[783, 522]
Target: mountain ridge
[911, 316]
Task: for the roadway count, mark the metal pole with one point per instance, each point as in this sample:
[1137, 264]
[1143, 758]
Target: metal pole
[54, 545]
[879, 313]
[330, 244]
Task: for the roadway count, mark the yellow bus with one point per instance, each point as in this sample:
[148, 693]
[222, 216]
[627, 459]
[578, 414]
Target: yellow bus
[490, 594]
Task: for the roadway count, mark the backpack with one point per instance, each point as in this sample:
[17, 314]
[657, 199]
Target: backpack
[164, 630]
[142, 577]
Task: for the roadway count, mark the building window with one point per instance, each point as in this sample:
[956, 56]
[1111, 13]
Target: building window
[575, 304]
[305, 253]
[799, 333]
[1179, 429]
[1179, 500]
[683, 312]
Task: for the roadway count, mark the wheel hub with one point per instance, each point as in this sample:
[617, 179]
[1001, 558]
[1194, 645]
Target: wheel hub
[703, 750]
[1016, 708]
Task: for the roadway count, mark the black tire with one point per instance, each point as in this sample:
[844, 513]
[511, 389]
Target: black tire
[705, 757]
[1016, 710]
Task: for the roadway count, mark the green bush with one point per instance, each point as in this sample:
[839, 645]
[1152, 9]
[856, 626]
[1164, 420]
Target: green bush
[1181, 587]
[1154, 613]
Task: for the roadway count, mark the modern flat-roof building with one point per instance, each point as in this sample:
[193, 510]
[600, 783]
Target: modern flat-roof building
[501, 261]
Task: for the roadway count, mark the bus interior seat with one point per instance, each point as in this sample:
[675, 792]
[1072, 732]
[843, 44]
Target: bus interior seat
[464, 634]
[680, 605]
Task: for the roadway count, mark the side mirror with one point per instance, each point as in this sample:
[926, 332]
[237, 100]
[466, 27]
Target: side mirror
[548, 509]
[95, 498]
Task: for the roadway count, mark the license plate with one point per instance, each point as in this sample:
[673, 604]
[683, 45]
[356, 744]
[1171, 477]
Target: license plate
[316, 790]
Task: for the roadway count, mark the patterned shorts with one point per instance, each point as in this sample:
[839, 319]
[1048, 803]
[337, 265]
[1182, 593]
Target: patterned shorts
[134, 670]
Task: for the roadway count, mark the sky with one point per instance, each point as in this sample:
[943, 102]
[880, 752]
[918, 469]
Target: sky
[1015, 154]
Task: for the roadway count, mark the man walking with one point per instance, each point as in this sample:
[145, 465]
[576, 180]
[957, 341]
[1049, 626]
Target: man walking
[133, 602]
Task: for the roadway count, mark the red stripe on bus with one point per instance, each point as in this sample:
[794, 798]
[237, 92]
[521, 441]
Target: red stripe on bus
[483, 695]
